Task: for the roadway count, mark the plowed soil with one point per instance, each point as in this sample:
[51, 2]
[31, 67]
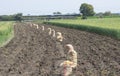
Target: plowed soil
[32, 52]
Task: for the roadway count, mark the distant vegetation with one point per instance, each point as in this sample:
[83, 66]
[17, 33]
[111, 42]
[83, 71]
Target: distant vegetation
[15, 17]
[104, 26]
[6, 31]
[86, 10]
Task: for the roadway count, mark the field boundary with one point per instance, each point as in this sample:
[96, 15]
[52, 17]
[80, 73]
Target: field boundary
[6, 42]
[7, 37]
[102, 31]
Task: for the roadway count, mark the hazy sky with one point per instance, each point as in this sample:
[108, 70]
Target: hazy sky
[43, 7]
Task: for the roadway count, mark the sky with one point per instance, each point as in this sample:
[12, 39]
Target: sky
[47, 7]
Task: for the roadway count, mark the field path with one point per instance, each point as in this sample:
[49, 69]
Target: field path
[32, 52]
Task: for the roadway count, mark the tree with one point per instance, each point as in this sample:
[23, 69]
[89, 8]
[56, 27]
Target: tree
[107, 13]
[86, 10]
[18, 17]
[57, 13]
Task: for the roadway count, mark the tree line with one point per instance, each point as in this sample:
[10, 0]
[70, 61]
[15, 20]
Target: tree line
[85, 9]
[15, 17]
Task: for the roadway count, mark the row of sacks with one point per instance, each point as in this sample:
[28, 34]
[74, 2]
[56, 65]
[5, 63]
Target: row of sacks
[71, 58]
[52, 32]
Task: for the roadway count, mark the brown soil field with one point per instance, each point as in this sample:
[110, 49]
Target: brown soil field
[32, 52]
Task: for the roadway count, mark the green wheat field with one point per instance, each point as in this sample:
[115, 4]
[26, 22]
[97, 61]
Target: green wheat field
[104, 26]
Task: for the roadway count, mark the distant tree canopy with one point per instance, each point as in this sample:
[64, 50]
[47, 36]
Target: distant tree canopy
[57, 13]
[107, 13]
[86, 10]
[18, 17]
[7, 18]
[15, 17]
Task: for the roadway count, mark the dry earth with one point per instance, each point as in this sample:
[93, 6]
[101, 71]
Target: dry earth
[32, 52]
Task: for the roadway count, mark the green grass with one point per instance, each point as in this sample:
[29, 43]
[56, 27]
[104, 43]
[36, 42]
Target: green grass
[6, 31]
[104, 26]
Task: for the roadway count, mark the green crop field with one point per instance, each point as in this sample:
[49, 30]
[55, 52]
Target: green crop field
[104, 26]
[6, 31]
